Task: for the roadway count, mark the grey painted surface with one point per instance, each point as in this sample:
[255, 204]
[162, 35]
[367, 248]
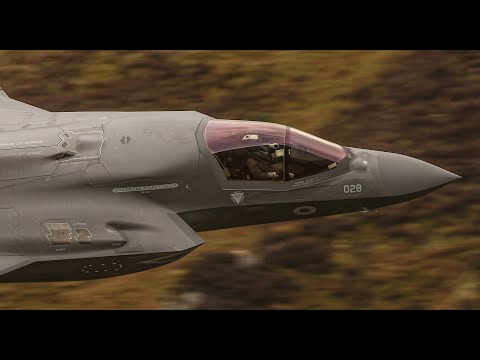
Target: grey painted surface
[87, 195]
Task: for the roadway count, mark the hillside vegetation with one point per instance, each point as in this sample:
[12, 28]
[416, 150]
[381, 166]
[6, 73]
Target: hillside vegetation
[421, 254]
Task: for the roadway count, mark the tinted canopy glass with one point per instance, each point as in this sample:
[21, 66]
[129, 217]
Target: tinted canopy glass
[250, 150]
[221, 135]
[311, 144]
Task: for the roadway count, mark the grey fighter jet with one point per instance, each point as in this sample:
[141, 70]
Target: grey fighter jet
[89, 195]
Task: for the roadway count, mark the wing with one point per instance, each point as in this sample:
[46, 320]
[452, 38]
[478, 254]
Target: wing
[12, 263]
[116, 246]
[6, 103]
[164, 232]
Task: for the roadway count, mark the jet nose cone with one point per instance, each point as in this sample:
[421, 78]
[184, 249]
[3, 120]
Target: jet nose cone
[400, 174]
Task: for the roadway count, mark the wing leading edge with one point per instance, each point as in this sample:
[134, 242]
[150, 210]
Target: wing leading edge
[12, 263]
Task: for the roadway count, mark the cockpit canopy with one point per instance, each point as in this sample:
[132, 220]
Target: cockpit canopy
[251, 150]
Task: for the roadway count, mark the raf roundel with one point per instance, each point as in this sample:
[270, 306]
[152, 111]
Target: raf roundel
[305, 210]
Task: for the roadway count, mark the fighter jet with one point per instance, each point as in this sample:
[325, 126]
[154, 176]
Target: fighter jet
[90, 195]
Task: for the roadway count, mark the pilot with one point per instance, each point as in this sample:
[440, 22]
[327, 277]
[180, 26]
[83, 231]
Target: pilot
[260, 164]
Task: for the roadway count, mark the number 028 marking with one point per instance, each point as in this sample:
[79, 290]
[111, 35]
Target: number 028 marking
[352, 189]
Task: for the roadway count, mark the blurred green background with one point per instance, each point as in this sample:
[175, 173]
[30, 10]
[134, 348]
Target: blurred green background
[423, 254]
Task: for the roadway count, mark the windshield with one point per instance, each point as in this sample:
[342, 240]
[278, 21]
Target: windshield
[311, 144]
